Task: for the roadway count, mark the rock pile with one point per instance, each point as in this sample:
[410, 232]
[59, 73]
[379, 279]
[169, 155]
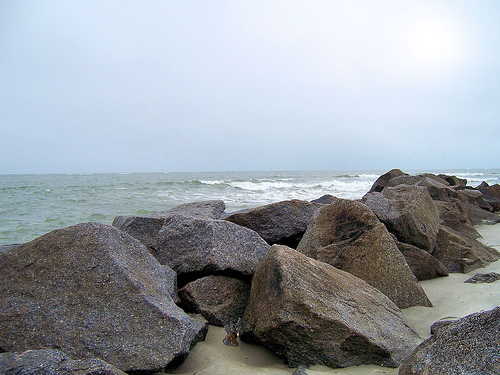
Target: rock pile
[317, 282]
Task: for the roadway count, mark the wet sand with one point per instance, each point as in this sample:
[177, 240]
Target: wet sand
[449, 295]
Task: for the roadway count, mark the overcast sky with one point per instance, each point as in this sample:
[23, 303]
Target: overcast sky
[145, 86]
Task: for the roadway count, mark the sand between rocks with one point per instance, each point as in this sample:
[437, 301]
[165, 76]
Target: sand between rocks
[449, 295]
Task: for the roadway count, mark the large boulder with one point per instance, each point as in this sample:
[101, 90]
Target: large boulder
[92, 290]
[195, 247]
[52, 362]
[145, 228]
[460, 253]
[438, 190]
[455, 214]
[219, 299]
[348, 235]
[408, 212]
[423, 265]
[278, 223]
[470, 345]
[383, 180]
[312, 313]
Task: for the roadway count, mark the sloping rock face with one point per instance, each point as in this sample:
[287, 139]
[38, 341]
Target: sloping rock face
[196, 247]
[312, 313]
[204, 209]
[408, 212]
[460, 253]
[278, 223]
[91, 290]
[383, 180]
[220, 300]
[470, 345]
[348, 235]
[423, 265]
[52, 362]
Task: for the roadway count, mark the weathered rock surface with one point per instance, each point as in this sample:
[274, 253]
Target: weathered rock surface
[490, 190]
[383, 180]
[204, 209]
[408, 212]
[312, 313]
[348, 235]
[278, 223]
[482, 278]
[455, 214]
[470, 345]
[52, 362]
[325, 199]
[93, 291]
[460, 253]
[219, 299]
[195, 247]
[423, 265]
[441, 323]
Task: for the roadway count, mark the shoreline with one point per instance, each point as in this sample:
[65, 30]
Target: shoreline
[449, 295]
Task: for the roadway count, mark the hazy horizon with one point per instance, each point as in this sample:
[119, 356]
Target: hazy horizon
[185, 86]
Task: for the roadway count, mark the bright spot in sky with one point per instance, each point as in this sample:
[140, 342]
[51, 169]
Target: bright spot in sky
[434, 43]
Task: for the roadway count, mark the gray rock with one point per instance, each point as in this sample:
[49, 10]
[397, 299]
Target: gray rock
[470, 345]
[219, 299]
[438, 190]
[348, 235]
[383, 180]
[312, 313]
[195, 247]
[282, 222]
[441, 323]
[423, 265]
[52, 362]
[455, 215]
[4, 248]
[460, 253]
[482, 278]
[93, 291]
[204, 209]
[325, 199]
[408, 212]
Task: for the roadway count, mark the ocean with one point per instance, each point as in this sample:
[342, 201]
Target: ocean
[31, 205]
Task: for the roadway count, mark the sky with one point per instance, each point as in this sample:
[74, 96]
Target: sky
[167, 86]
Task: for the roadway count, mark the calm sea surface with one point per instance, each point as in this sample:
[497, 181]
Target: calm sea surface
[31, 205]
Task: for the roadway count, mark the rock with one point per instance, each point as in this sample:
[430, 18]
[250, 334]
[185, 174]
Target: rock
[481, 278]
[454, 180]
[480, 216]
[408, 212]
[404, 180]
[460, 253]
[383, 180]
[455, 214]
[438, 190]
[325, 199]
[52, 362]
[493, 202]
[233, 330]
[492, 191]
[348, 235]
[312, 313]
[146, 228]
[441, 323]
[423, 265]
[474, 197]
[195, 247]
[93, 291]
[470, 345]
[4, 248]
[219, 299]
[205, 209]
[282, 222]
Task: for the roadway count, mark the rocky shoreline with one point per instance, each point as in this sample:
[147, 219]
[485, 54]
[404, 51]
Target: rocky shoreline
[319, 282]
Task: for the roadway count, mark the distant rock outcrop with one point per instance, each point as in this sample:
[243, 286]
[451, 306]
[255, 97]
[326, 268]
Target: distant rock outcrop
[312, 313]
[92, 290]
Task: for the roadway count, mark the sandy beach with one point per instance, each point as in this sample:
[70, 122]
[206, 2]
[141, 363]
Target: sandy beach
[449, 295]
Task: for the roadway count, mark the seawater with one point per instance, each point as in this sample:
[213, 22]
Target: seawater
[31, 205]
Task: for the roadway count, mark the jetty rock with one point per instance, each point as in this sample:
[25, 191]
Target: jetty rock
[93, 291]
[281, 223]
[409, 212]
[52, 362]
[423, 265]
[312, 313]
[196, 247]
[470, 345]
[220, 300]
[348, 235]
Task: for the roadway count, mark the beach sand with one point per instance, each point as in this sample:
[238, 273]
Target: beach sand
[449, 295]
